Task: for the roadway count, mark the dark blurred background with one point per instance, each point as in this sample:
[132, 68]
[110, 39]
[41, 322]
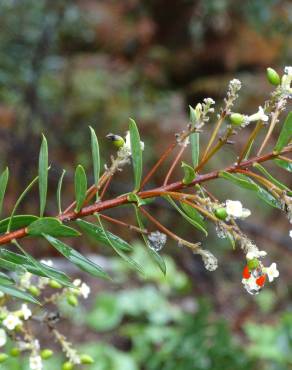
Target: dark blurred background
[65, 65]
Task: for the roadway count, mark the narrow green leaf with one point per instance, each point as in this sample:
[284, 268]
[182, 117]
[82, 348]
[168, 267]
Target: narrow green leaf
[3, 184]
[285, 134]
[284, 164]
[193, 214]
[80, 187]
[136, 153]
[95, 156]
[9, 290]
[51, 226]
[22, 195]
[195, 148]
[196, 224]
[98, 234]
[133, 197]
[43, 175]
[10, 266]
[231, 239]
[235, 179]
[77, 258]
[5, 279]
[17, 222]
[189, 173]
[116, 248]
[270, 177]
[156, 257]
[59, 192]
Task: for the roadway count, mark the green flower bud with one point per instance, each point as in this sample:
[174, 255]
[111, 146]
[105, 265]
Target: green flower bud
[117, 140]
[72, 300]
[273, 77]
[86, 359]
[253, 264]
[3, 357]
[221, 213]
[67, 366]
[15, 352]
[46, 353]
[55, 284]
[236, 119]
[34, 290]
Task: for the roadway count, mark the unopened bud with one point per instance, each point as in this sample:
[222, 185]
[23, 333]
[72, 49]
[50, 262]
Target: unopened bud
[55, 284]
[15, 352]
[3, 357]
[253, 263]
[221, 213]
[67, 366]
[72, 300]
[34, 290]
[236, 119]
[86, 359]
[46, 353]
[117, 140]
[273, 77]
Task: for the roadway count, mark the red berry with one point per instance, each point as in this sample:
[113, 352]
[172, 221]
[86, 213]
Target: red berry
[246, 273]
[261, 280]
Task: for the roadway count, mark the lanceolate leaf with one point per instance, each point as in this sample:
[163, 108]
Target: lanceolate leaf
[5, 279]
[97, 233]
[3, 184]
[10, 290]
[189, 173]
[271, 178]
[246, 184]
[59, 192]
[285, 134]
[284, 164]
[10, 266]
[195, 147]
[193, 214]
[198, 225]
[156, 257]
[77, 258]
[51, 226]
[136, 153]
[43, 175]
[80, 187]
[116, 248]
[95, 156]
[17, 222]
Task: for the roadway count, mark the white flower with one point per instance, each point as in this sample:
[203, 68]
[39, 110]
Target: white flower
[35, 362]
[288, 70]
[84, 290]
[127, 145]
[3, 337]
[255, 254]
[47, 262]
[25, 312]
[287, 79]
[235, 84]
[272, 272]
[250, 285]
[77, 282]
[259, 116]
[11, 321]
[25, 280]
[290, 233]
[234, 209]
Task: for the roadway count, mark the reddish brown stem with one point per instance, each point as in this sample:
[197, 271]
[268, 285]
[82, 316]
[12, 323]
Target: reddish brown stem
[170, 171]
[121, 223]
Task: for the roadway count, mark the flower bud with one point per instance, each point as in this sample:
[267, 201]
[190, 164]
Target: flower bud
[3, 357]
[253, 263]
[72, 300]
[117, 140]
[15, 352]
[55, 284]
[86, 359]
[236, 119]
[34, 290]
[273, 77]
[67, 366]
[46, 353]
[221, 213]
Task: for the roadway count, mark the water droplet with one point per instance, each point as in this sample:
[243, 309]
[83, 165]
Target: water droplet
[157, 240]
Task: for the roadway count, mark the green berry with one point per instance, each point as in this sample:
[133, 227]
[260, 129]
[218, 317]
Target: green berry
[253, 264]
[86, 359]
[46, 353]
[273, 77]
[117, 140]
[34, 290]
[236, 119]
[15, 352]
[221, 213]
[67, 366]
[55, 284]
[72, 300]
[3, 357]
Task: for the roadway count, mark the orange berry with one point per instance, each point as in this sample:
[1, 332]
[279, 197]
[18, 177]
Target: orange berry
[246, 273]
[261, 280]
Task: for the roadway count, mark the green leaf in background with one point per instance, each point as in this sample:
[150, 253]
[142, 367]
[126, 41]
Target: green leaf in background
[285, 134]
[77, 258]
[189, 173]
[59, 192]
[95, 156]
[51, 226]
[97, 233]
[195, 148]
[197, 224]
[237, 180]
[117, 249]
[9, 290]
[80, 187]
[17, 222]
[133, 197]
[284, 164]
[3, 184]
[156, 257]
[271, 178]
[136, 153]
[5, 279]
[43, 175]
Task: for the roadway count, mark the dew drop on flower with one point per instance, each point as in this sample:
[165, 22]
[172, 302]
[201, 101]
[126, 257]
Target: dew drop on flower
[157, 240]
